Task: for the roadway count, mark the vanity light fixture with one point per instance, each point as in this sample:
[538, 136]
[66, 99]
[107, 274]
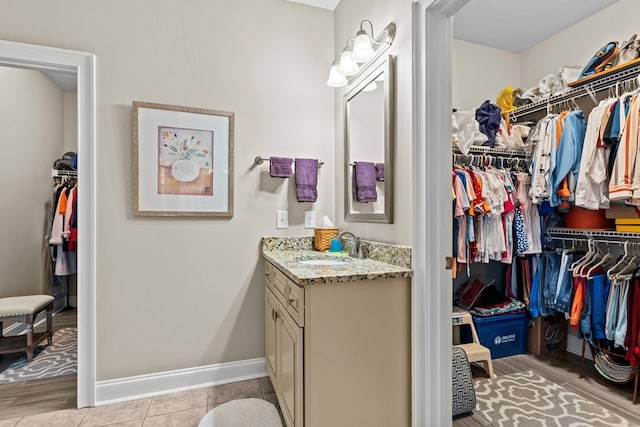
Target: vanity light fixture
[335, 78]
[365, 49]
[347, 66]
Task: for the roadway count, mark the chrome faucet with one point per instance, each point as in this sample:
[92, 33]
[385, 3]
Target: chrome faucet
[352, 244]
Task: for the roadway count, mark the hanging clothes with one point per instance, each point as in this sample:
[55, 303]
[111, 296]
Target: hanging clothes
[487, 209]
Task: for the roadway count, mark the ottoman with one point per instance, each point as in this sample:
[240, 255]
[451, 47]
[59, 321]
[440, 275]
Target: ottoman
[25, 309]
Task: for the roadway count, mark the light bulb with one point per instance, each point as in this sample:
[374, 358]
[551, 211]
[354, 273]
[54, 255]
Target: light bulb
[362, 50]
[347, 66]
[335, 78]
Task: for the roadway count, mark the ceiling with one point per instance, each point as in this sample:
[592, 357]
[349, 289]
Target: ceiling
[68, 82]
[324, 4]
[511, 25]
[517, 25]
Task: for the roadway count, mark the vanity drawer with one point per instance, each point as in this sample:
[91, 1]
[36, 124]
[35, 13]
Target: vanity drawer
[269, 273]
[295, 302]
[290, 295]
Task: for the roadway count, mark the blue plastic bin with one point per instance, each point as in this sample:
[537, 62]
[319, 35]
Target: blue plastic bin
[504, 335]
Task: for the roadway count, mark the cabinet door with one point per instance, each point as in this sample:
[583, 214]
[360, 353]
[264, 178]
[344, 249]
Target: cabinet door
[270, 335]
[290, 370]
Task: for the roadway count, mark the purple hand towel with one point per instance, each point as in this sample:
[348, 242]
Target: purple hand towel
[280, 167]
[307, 180]
[364, 182]
[380, 172]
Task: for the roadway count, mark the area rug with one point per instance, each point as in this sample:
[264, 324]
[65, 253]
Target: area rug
[242, 413]
[525, 399]
[59, 358]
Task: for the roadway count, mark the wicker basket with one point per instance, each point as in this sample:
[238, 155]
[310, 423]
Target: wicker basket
[323, 238]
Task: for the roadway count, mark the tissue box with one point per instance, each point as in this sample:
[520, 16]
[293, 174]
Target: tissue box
[323, 237]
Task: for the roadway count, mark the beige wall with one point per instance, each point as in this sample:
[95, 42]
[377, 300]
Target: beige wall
[348, 16]
[480, 73]
[177, 292]
[70, 121]
[31, 137]
[577, 44]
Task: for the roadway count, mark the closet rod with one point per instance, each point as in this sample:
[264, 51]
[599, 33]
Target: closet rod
[508, 161]
[478, 149]
[61, 172]
[606, 242]
[586, 234]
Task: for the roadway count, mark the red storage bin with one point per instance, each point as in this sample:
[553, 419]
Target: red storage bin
[586, 218]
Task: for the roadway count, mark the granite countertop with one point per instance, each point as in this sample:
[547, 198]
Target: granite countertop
[286, 258]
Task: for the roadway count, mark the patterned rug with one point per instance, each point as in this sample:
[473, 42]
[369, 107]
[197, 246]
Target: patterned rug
[60, 358]
[525, 399]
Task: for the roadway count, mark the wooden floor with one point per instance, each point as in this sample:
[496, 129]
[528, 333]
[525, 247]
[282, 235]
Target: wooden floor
[563, 369]
[38, 396]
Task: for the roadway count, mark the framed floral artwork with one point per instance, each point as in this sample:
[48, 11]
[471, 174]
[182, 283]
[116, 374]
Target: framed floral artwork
[182, 161]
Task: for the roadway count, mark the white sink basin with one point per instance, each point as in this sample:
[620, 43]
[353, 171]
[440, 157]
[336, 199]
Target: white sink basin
[323, 261]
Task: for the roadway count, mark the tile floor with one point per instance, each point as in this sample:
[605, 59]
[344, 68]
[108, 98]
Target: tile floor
[183, 409]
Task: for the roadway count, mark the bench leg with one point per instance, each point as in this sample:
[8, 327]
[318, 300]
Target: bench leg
[29, 322]
[49, 324]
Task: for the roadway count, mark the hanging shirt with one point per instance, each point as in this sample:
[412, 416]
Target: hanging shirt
[591, 188]
[620, 184]
[568, 154]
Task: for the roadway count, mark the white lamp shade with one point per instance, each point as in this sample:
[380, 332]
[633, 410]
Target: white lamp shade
[362, 50]
[347, 66]
[335, 78]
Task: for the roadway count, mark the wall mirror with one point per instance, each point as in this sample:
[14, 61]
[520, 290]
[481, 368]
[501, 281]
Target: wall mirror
[369, 139]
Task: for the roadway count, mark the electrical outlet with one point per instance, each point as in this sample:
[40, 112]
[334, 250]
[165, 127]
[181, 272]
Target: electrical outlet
[282, 219]
[310, 219]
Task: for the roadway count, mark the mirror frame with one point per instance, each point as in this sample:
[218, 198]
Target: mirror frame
[355, 87]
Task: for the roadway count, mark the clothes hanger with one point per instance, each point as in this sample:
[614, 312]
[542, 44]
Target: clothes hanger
[604, 261]
[586, 267]
[628, 269]
[621, 263]
[576, 267]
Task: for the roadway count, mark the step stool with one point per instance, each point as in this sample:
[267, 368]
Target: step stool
[476, 352]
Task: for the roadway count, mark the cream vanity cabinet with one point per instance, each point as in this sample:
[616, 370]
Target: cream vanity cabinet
[283, 345]
[338, 354]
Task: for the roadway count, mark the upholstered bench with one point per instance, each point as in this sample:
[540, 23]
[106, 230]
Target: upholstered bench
[25, 309]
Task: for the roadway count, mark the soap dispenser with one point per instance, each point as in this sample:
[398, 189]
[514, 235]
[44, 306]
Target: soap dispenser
[335, 245]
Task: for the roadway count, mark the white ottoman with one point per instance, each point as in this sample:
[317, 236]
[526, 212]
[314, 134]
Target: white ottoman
[242, 413]
[25, 309]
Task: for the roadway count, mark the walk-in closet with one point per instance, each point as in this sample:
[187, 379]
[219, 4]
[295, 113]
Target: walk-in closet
[545, 191]
[39, 227]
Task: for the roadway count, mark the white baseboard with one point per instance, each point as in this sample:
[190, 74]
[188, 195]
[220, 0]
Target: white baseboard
[149, 385]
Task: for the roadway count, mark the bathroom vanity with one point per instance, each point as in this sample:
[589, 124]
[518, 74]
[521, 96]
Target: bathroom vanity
[337, 334]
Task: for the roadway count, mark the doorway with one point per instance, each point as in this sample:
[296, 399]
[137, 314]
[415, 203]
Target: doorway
[82, 65]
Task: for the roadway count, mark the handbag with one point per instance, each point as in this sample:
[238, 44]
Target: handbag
[629, 51]
[601, 60]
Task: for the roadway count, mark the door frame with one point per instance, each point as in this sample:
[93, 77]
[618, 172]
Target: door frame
[432, 220]
[82, 64]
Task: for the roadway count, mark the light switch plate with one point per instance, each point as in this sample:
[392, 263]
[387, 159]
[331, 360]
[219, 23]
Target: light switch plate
[310, 219]
[282, 219]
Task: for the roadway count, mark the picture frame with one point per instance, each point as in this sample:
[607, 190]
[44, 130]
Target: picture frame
[182, 161]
